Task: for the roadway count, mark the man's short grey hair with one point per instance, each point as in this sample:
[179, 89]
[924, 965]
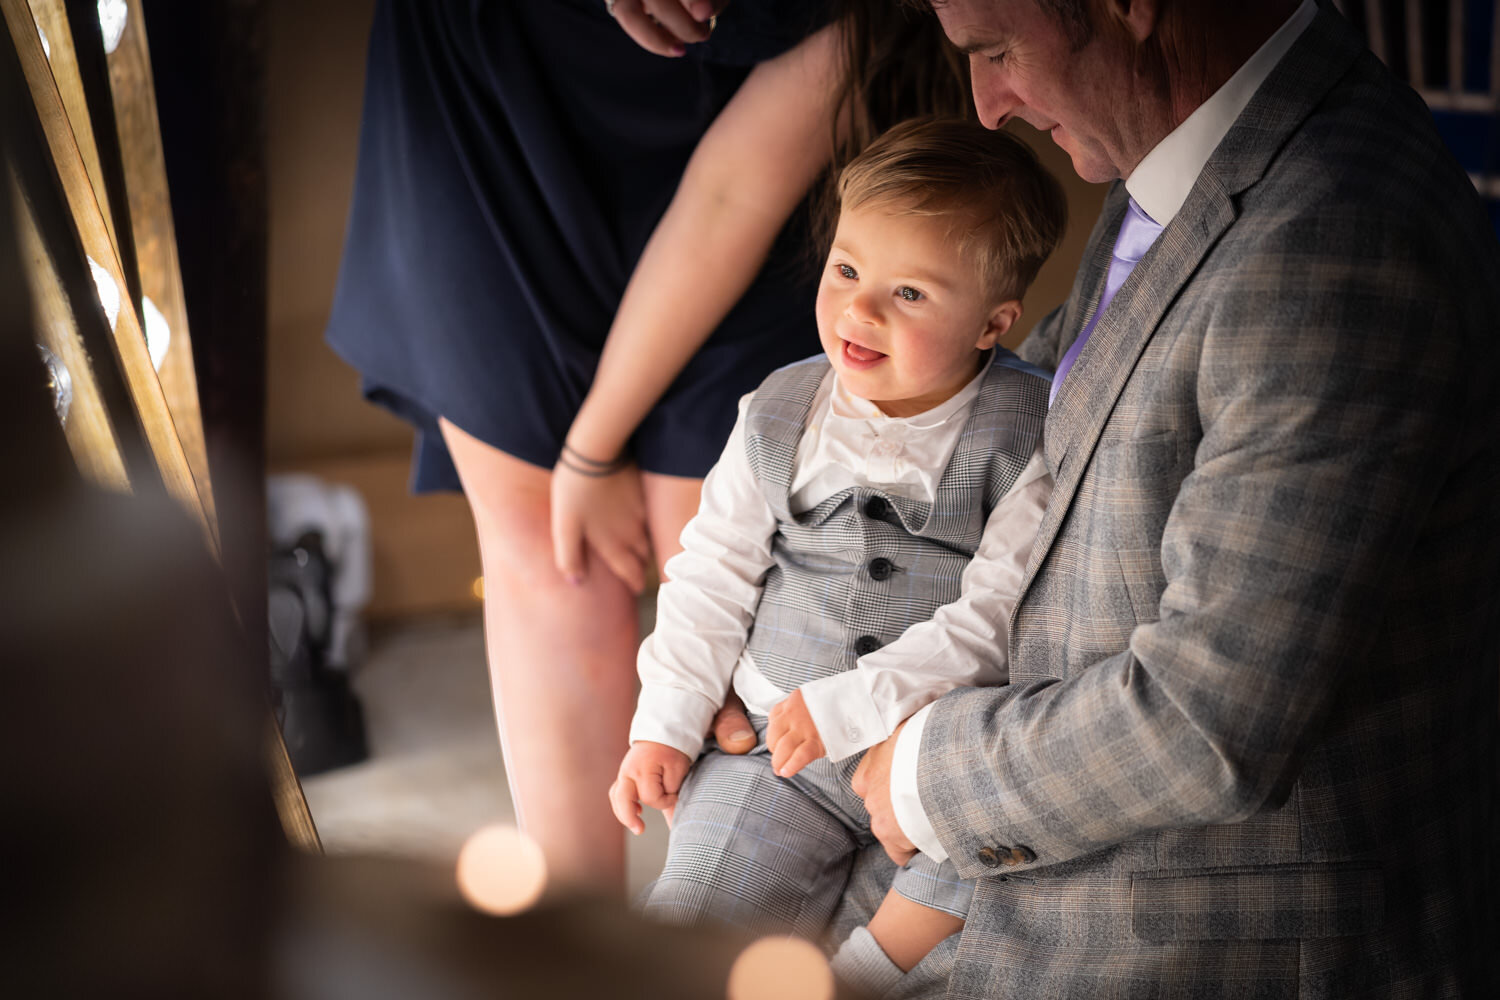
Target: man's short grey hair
[1073, 15]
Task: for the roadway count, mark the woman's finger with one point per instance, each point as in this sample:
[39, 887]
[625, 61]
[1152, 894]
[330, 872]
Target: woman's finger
[567, 546]
[625, 564]
[673, 15]
[644, 31]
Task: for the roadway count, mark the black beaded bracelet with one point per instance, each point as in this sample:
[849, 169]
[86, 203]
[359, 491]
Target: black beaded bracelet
[585, 466]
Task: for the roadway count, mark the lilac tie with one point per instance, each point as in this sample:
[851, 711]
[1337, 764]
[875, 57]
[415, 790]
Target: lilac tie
[1137, 233]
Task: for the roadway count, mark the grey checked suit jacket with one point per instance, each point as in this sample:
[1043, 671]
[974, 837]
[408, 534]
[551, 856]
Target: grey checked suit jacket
[1250, 734]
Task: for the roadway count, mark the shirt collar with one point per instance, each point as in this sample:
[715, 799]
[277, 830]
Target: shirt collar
[1160, 183]
[843, 403]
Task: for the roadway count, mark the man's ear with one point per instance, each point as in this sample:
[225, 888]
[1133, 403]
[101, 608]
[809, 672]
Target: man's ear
[1001, 319]
[1139, 18]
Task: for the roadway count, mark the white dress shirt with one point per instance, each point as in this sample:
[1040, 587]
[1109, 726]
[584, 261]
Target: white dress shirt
[705, 611]
[1160, 184]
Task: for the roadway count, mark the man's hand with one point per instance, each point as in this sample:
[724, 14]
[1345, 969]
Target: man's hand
[792, 736]
[731, 727]
[651, 773]
[872, 782]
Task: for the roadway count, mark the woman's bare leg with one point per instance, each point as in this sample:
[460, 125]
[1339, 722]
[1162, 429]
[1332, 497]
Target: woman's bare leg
[562, 668]
[671, 501]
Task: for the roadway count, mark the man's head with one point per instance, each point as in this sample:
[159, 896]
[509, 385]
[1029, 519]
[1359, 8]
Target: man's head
[1107, 79]
[942, 226]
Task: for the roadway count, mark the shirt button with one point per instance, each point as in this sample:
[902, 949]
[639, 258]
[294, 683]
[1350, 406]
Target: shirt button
[876, 508]
[881, 568]
[866, 644]
[854, 735]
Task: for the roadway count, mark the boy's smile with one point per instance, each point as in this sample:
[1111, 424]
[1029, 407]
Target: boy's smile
[904, 319]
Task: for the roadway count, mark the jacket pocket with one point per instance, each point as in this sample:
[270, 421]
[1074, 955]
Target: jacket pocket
[1271, 901]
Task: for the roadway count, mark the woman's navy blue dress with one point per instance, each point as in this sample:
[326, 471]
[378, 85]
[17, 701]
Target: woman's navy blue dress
[514, 157]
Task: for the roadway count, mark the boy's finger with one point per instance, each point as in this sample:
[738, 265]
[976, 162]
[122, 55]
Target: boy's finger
[650, 790]
[782, 752]
[626, 806]
[776, 728]
[672, 775]
[668, 813]
[804, 755]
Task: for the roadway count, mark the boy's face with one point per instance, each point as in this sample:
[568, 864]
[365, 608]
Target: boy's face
[903, 319]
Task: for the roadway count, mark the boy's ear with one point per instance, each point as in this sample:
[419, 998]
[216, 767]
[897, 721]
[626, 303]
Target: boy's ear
[1002, 318]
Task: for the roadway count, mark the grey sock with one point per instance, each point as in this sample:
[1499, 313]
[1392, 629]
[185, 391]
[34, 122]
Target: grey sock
[861, 963]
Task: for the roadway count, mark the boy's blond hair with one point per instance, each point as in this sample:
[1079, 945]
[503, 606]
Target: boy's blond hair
[1008, 212]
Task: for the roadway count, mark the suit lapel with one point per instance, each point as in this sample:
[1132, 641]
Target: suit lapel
[1088, 395]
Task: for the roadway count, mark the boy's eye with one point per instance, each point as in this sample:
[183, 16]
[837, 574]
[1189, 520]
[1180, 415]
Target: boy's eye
[845, 271]
[909, 293]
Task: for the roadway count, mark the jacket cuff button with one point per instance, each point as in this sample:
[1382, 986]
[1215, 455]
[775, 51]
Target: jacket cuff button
[1020, 855]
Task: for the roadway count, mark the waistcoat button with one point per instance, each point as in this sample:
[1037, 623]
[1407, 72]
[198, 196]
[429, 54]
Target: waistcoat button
[881, 568]
[866, 644]
[876, 508]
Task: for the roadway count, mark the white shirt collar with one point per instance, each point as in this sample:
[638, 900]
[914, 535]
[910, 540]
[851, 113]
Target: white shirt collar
[1160, 183]
[843, 403]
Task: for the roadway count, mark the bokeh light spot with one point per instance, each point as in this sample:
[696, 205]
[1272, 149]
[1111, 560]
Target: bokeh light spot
[781, 968]
[501, 871]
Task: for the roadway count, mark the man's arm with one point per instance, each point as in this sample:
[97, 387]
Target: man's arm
[1329, 394]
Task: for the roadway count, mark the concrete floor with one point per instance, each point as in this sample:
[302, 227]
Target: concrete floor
[435, 773]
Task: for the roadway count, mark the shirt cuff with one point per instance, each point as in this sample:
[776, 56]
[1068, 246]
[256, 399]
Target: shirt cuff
[678, 718]
[845, 713]
[906, 802]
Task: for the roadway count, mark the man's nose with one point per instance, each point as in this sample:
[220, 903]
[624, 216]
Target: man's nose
[993, 98]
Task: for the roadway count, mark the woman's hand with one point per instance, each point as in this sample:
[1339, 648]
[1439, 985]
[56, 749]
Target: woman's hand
[665, 26]
[605, 514]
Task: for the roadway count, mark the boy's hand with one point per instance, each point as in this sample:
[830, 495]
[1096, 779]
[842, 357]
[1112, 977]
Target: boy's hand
[651, 773]
[792, 736]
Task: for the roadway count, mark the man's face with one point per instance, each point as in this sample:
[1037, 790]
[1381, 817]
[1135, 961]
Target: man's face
[1025, 65]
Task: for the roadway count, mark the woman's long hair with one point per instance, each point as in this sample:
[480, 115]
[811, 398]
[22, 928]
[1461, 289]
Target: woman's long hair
[897, 64]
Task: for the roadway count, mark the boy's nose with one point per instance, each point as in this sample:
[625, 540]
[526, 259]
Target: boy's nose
[862, 309]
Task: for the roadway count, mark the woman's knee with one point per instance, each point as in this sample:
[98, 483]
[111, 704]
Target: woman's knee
[510, 499]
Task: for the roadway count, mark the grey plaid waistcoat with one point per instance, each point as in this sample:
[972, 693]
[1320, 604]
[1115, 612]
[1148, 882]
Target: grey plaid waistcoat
[854, 572]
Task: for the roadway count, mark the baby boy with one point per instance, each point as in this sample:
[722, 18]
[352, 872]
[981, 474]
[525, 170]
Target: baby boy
[857, 552]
